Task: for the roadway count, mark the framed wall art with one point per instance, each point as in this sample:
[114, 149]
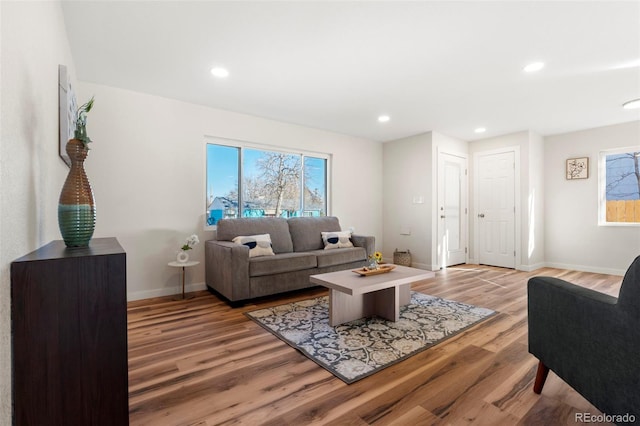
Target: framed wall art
[577, 168]
[67, 107]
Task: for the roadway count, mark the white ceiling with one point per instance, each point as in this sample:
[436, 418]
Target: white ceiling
[445, 66]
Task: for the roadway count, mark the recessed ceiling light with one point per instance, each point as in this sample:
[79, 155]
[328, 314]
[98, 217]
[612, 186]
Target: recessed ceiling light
[533, 67]
[384, 118]
[219, 72]
[631, 104]
[480, 130]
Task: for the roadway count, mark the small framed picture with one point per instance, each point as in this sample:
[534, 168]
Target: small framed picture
[578, 168]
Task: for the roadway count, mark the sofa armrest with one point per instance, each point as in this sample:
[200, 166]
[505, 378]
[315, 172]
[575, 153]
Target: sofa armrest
[227, 269]
[366, 241]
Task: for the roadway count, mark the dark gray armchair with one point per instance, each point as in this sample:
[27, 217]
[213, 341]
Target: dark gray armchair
[589, 339]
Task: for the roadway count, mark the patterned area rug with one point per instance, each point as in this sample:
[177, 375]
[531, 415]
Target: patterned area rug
[357, 349]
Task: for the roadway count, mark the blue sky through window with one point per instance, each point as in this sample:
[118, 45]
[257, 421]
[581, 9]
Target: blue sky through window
[222, 170]
[622, 182]
[314, 169]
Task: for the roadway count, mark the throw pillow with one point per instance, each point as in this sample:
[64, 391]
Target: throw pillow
[334, 240]
[259, 245]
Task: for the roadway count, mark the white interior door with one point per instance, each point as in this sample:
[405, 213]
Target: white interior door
[496, 209]
[452, 210]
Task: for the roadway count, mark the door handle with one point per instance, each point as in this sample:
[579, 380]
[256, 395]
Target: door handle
[442, 216]
[481, 215]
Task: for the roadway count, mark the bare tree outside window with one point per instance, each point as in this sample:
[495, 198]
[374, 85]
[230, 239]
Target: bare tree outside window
[279, 180]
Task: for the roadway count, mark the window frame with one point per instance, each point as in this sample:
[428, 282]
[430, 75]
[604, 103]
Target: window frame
[242, 145]
[602, 186]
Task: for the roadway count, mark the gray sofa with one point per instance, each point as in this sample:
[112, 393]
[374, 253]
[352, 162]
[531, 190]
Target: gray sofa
[298, 253]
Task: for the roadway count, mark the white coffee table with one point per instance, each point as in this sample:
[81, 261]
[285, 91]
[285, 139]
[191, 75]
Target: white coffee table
[352, 296]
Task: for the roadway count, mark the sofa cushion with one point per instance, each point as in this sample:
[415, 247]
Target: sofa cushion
[339, 256]
[276, 227]
[334, 240]
[285, 262]
[259, 245]
[306, 231]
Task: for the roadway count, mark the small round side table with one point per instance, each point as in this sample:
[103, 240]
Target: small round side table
[183, 265]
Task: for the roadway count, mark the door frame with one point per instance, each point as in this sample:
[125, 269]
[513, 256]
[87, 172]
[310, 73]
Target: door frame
[464, 196]
[518, 221]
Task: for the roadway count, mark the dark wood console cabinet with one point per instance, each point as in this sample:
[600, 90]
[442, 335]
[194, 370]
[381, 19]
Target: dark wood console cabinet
[69, 336]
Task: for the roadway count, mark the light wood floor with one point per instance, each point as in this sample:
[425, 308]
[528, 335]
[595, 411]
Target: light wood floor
[201, 362]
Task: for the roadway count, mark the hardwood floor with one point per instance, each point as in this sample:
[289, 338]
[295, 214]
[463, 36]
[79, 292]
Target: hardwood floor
[201, 362]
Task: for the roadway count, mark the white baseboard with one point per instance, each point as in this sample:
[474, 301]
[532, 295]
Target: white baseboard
[167, 291]
[529, 268]
[583, 268]
[425, 266]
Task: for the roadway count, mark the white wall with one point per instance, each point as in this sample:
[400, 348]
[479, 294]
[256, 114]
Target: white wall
[33, 43]
[147, 170]
[573, 238]
[410, 171]
[533, 254]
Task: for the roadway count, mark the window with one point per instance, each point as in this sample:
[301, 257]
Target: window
[620, 187]
[245, 181]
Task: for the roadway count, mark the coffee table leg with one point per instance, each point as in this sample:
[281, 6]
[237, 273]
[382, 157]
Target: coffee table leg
[405, 294]
[344, 307]
[384, 303]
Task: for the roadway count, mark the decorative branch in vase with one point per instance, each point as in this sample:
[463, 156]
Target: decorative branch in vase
[80, 133]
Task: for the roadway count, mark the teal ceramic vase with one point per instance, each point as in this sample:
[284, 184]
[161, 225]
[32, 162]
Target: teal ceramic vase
[77, 207]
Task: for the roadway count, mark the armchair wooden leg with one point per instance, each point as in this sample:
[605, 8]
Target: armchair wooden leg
[541, 377]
